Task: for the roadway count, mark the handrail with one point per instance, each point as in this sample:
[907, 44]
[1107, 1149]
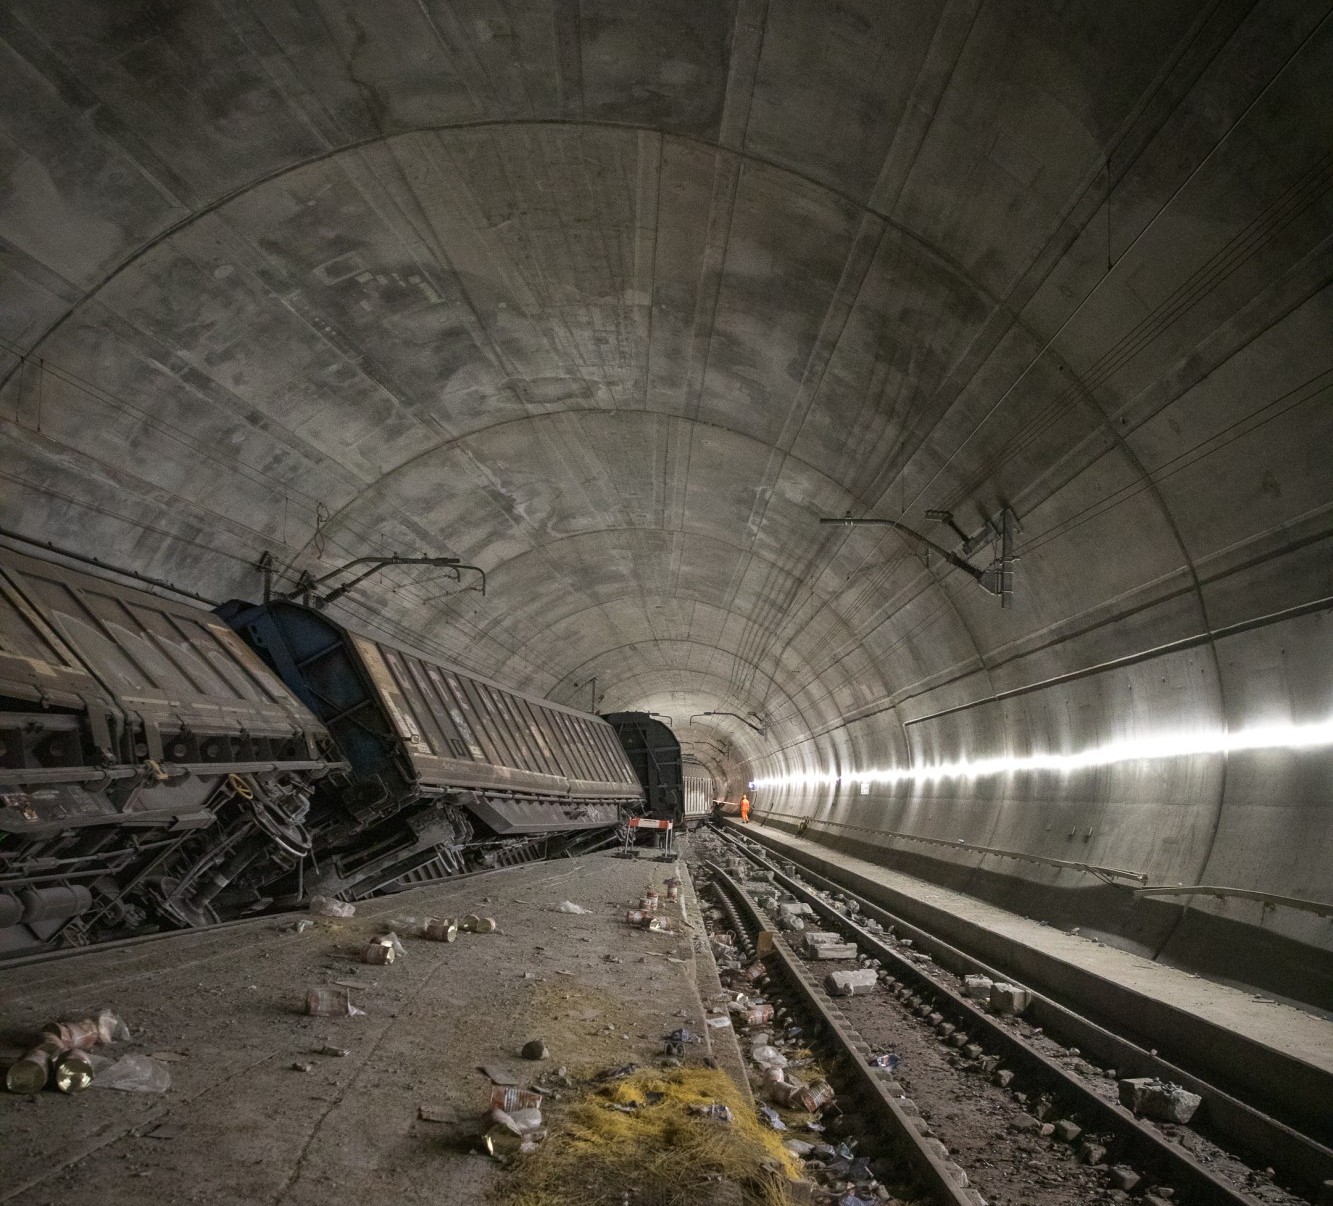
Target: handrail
[1322, 908]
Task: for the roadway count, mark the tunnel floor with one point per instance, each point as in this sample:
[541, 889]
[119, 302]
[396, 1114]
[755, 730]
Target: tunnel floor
[255, 1112]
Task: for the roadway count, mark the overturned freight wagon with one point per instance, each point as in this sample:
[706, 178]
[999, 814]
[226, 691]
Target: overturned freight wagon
[654, 753]
[448, 771]
[153, 772]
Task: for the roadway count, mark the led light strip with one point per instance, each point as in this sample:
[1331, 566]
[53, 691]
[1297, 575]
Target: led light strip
[1172, 745]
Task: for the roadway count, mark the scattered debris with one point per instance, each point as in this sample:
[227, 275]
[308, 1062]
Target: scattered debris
[326, 1003]
[87, 1033]
[439, 929]
[568, 906]
[768, 1056]
[1009, 998]
[851, 983]
[1158, 1099]
[30, 1073]
[978, 988]
[437, 1114]
[61, 1055]
[499, 1074]
[134, 1074]
[713, 1110]
[334, 1052]
[378, 951]
[73, 1072]
[326, 906]
[163, 1130]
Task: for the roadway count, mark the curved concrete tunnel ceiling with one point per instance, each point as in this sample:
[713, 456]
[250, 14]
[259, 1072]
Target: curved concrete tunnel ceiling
[616, 302]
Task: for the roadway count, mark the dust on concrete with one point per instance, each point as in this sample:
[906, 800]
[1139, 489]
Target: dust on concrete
[248, 1127]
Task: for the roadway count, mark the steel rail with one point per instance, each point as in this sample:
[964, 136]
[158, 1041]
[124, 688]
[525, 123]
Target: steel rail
[874, 1086]
[1145, 1146]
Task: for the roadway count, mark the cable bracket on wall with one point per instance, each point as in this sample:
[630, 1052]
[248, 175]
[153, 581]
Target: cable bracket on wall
[761, 729]
[997, 578]
[308, 587]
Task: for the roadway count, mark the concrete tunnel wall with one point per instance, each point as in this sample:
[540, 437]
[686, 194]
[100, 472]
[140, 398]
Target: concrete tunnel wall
[617, 301]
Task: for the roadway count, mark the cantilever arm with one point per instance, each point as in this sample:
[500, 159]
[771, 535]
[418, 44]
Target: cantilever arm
[758, 728]
[952, 558]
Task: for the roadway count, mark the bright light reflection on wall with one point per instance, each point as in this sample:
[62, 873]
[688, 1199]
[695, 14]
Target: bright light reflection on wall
[1168, 745]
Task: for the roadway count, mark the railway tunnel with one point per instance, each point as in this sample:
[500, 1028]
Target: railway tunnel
[923, 409]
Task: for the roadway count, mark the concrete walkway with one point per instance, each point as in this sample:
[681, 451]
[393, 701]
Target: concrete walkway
[388, 1122]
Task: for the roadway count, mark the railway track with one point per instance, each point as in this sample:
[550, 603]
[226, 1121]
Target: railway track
[933, 1175]
[995, 1088]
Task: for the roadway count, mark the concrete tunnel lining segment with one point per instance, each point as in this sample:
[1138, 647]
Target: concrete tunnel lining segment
[454, 297]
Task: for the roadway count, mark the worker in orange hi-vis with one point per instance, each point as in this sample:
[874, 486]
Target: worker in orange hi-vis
[745, 809]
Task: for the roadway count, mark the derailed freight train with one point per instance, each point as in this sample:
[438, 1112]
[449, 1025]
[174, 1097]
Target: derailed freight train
[158, 772]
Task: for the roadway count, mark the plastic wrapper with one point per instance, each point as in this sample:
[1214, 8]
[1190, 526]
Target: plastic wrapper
[768, 1056]
[326, 906]
[568, 906]
[132, 1074]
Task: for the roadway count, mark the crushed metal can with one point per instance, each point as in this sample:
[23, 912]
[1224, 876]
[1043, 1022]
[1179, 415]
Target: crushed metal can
[815, 1097]
[483, 925]
[657, 925]
[439, 929]
[638, 917]
[377, 952]
[73, 1072]
[75, 1036]
[758, 1015]
[87, 1033]
[30, 1074]
[510, 1098]
[673, 888]
[503, 1140]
